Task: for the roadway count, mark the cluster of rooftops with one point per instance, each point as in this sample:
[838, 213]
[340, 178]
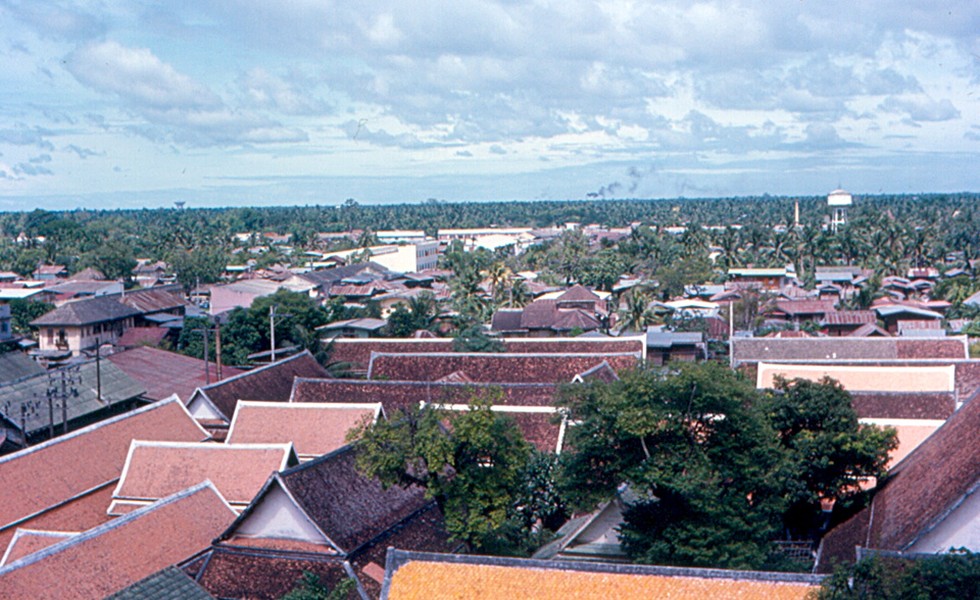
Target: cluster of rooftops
[234, 488]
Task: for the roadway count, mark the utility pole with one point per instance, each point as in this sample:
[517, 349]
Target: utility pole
[207, 371]
[217, 349]
[272, 334]
[731, 335]
[98, 369]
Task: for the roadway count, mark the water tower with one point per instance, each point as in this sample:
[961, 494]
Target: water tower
[839, 200]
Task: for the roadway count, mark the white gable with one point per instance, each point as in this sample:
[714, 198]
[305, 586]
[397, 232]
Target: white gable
[201, 408]
[277, 516]
[959, 529]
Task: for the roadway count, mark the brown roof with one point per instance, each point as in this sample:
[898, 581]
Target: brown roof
[920, 492]
[270, 383]
[578, 293]
[68, 469]
[904, 405]
[848, 348]
[164, 373]
[314, 429]
[350, 509]
[805, 307]
[493, 367]
[411, 575]
[86, 312]
[545, 314]
[142, 336]
[398, 395]
[263, 574]
[154, 470]
[849, 317]
[153, 300]
[358, 351]
[104, 560]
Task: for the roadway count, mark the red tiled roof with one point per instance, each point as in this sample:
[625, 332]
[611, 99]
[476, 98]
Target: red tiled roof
[29, 541]
[805, 307]
[904, 405]
[848, 348]
[849, 317]
[164, 373]
[918, 495]
[110, 557]
[313, 429]
[271, 383]
[157, 469]
[493, 367]
[357, 352]
[398, 395]
[57, 475]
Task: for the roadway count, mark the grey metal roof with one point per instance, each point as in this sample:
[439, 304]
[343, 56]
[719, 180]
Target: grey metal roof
[169, 584]
[81, 385]
[667, 339]
[17, 365]
[86, 312]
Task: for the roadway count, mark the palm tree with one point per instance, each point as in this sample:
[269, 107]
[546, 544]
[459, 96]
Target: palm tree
[637, 314]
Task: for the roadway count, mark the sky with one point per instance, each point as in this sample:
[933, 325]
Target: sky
[130, 104]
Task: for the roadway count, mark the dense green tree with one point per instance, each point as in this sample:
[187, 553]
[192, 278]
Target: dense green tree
[419, 313]
[828, 451]
[22, 312]
[953, 575]
[473, 467]
[701, 462]
[310, 587]
[197, 266]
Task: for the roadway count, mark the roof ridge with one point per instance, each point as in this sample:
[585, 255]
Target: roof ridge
[93, 427]
[110, 525]
[216, 384]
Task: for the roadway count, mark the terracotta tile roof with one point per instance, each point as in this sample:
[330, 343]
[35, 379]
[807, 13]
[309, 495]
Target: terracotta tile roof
[154, 470]
[346, 507]
[29, 541]
[868, 378]
[921, 491]
[117, 554]
[314, 429]
[507, 320]
[270, 383]
[578, 293]
[417, 575]
[358, 351]
[847, 348]
[398, 395]
[57, 474]
[601, 372]
[169, 584]
[494, 367]
[164, 373]
[261, 574]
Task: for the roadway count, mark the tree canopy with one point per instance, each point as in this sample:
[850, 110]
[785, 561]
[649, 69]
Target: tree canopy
[710, 464]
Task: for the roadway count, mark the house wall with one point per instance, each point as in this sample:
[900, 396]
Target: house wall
[82, 338]
[960, 529]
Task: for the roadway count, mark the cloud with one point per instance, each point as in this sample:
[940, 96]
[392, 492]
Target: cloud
[497, 149]
[137, 75]
[55, 20]
[27, 136]
[262, 89]
[174, 105]
[921, 108]
[82, 153]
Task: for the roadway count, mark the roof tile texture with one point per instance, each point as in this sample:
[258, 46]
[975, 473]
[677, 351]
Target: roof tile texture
[492, 367]
[313, 429]
[38, 478]
[418, 580]
[103, 561]
[271, 383]
[163, 373]
[155, 471]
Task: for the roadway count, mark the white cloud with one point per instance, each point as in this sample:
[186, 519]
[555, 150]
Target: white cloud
[921, 108]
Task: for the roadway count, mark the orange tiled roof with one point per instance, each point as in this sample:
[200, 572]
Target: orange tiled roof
[538, 579]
